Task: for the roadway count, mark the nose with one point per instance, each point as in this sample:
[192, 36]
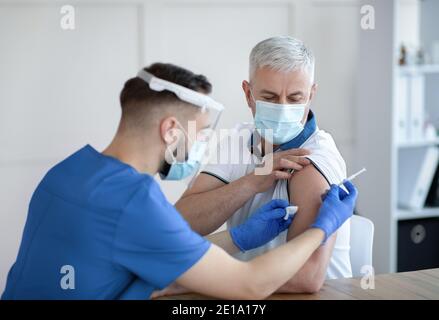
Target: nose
[283, 99]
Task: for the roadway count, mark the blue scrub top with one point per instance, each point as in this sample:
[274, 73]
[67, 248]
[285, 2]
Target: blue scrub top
[110, 225]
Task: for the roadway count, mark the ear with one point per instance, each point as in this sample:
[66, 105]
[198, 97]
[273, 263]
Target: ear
[168, 128]
[248, 96]
[313, 91]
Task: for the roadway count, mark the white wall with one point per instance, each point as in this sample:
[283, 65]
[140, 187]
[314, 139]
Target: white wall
[408, 25]
[59, 89]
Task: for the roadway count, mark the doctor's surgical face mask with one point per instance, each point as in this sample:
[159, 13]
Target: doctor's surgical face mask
[278, 123]
[179, 163]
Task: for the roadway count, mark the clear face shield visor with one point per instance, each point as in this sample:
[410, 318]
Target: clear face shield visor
[184, 163]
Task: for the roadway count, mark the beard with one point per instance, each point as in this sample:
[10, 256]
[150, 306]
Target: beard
[164, 168]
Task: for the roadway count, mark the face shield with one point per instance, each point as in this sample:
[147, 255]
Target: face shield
[182, 164]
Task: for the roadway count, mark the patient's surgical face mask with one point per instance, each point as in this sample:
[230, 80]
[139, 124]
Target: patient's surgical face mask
[278, 123]
[176, 166]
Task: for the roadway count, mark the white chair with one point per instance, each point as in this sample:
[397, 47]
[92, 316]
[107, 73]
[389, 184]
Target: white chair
[361, 242]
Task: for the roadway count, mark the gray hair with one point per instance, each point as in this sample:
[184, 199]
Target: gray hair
[282, 53]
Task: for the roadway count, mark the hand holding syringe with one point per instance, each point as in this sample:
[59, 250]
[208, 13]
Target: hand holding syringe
[291, 210]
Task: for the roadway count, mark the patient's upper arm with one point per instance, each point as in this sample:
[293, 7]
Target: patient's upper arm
[305, 189]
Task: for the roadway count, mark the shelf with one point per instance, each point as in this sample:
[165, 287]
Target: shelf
[419, 69]
[408, 214]
[418, 144]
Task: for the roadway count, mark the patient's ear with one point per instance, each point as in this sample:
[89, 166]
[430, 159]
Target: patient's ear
[246, 89]
[313, 91]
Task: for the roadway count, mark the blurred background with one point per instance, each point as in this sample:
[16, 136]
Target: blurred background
[378, 94]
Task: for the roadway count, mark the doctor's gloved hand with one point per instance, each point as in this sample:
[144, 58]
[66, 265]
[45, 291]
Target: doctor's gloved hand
[337, 207]
[262, 226]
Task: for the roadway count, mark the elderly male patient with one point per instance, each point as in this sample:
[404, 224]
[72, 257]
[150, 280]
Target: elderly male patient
[279, 93]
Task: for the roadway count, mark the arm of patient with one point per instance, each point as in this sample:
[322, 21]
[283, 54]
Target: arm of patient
[305, 190]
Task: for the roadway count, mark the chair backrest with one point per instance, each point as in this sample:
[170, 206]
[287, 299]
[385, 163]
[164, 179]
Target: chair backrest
[361, 242]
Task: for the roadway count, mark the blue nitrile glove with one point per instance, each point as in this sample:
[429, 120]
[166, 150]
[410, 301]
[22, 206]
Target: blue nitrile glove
[262, 226]
[337, 207]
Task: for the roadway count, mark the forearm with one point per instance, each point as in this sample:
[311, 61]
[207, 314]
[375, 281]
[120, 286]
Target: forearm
[215, 206]
[223, 240]
[233, 279]
[287, 259]
[310, 278]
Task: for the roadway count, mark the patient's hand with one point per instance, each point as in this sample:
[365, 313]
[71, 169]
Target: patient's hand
[277, 166]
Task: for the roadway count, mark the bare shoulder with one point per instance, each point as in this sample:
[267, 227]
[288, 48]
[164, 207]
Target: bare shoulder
[307, 183]
[305, 189]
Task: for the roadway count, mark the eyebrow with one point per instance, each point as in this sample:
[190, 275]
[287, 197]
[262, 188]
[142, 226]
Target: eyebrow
[296, 93]
[263, 91]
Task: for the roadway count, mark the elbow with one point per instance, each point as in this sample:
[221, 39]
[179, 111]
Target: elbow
[313, 286]
[260, 292]
[253, 290]
[249, 295]
[308, 285]
[256, 293]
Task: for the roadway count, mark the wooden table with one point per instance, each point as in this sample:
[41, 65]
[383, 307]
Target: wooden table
[407, 285]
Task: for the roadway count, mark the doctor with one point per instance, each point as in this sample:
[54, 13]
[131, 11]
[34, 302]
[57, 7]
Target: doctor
[103, 217]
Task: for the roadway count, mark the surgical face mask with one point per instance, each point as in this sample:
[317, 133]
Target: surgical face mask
[179, 170]
[284, 121]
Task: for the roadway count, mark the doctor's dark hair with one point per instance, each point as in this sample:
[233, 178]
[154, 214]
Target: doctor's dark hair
[138, 101]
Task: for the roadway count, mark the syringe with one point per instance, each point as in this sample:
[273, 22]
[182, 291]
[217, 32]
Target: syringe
[352, 177]
[291, 210]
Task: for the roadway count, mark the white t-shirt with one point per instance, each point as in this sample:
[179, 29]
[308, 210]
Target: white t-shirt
[233, 159]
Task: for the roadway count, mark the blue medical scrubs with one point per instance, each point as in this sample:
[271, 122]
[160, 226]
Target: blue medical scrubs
[109, 226]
